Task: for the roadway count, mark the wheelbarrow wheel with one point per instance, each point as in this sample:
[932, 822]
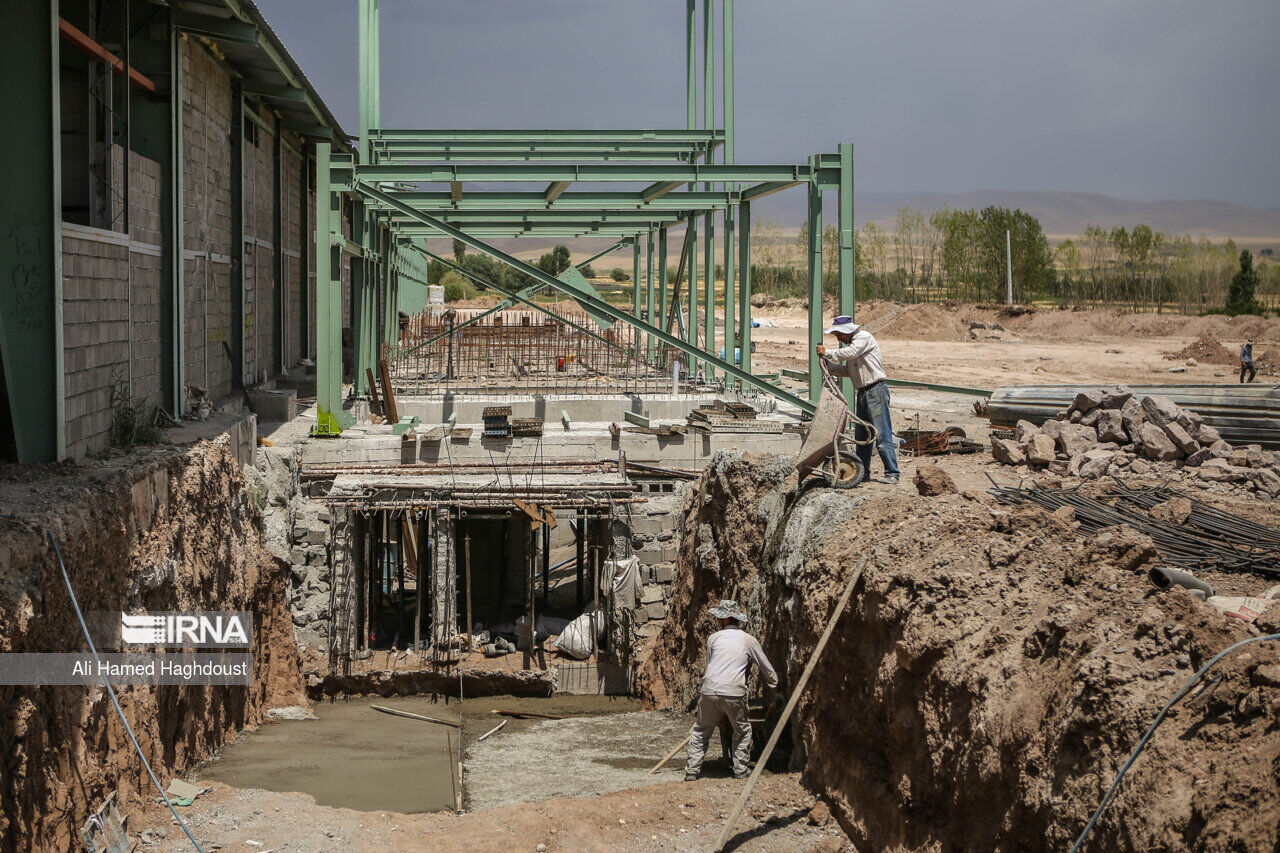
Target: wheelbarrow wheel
[844, 471]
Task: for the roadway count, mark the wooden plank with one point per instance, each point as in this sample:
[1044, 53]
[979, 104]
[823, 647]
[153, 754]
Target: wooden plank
[388, 396]
[375, 404]
[456, 724]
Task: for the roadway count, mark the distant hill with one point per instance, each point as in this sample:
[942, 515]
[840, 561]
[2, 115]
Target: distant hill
[1068, 213]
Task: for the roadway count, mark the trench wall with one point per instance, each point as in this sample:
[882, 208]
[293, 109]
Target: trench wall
[178, 532]
[990, 675]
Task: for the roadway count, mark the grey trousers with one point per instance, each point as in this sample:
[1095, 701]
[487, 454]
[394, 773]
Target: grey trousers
[710, 710]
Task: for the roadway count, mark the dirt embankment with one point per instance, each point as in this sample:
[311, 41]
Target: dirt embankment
[178, 533]
[991, 675]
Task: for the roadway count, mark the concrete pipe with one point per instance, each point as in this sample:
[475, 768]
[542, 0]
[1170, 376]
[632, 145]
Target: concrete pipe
[1167, 578]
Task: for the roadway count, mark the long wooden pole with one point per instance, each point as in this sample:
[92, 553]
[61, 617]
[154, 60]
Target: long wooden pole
[791, 704]
[679, 746]
[410, 526]
[398, 713]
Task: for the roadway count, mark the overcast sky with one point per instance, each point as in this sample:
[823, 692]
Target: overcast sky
[1143, 99]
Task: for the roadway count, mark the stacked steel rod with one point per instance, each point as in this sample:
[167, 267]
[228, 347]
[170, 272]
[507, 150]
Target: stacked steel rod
[1209, 539]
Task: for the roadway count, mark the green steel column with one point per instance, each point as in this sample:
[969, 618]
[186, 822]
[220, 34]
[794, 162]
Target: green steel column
[236, 367]
[730, 333]
[709, 289]
[744, 282]
[278, 302]
[847, 236]
[708, 236]
[174, 337]
[635, 277]
[331, 419]
[815, 287]
[662, 278]
[31, 245]
[648, 288]
[691, 284]
[691, 60]
[304, 262]
[361, 329]
[728, 82]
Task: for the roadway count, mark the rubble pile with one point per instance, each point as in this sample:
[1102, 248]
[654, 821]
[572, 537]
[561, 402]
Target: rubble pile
[1114, 432]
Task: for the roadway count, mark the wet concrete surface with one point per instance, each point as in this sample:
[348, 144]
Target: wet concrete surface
[353, 757]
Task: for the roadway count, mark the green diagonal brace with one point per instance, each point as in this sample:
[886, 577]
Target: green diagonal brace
[371, 191]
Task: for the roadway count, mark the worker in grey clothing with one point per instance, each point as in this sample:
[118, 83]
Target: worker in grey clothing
[1246, 361]
[858, 358]
[730, 651]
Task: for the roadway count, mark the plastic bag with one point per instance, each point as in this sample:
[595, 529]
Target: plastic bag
[575, 640]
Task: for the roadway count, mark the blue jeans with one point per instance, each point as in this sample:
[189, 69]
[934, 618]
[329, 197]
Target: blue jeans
[873, 406]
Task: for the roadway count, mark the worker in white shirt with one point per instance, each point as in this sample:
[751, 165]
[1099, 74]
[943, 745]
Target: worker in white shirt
[730, 652]
[858, 358]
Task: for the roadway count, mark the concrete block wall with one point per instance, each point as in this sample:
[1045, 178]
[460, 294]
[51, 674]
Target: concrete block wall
[145, 276]
[206, 170]
[95, 287]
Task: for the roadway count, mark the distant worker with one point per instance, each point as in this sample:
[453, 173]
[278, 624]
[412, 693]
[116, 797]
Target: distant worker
[859, 359]
[1246, 361]
[730, 651]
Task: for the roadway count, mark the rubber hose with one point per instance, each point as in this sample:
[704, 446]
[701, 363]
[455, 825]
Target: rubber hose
[1166, 578]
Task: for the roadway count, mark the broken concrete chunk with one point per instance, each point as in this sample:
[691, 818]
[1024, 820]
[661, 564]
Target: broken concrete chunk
[1077, 438]
[1220, 450]
[1156, 444]
[1051, 428]
[1091, 419]
[1267, 480]
[1160, 410]
[1180, 437]
[1095, 464]
[1007, 451]
[1133, 416]
[1023, 431]
[1115, 398]
[1205, 434]
[1087, 401]
[1200, 457]
[1110, 426]
[1040, 449]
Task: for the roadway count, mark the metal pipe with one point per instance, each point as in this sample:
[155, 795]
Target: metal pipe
[1166, 578]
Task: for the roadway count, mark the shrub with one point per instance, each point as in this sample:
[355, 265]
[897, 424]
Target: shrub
[456, 287]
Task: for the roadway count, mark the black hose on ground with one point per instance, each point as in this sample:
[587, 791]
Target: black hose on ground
[1151, 730]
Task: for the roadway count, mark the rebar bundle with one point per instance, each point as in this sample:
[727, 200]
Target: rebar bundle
[1208, 539]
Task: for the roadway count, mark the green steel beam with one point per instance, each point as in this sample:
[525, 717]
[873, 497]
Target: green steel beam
[730, 274]
[433, 202]
[214, 29]
[485, 217]
[659, 189]
[769, 188]
[456, 147]
[648, 287]
[555, 189]
[280, 328]
[31, 328]
[949, 389]
[347, 175]
[275, 93]
[595, 302]
[635, 277]
[318, 131]
[500, 135]
[727, 54]
[662, 281]
[691, 62]
[173, 334]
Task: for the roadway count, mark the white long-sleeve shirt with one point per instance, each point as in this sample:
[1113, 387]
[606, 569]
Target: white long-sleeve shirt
[860, 360]
[729, 652]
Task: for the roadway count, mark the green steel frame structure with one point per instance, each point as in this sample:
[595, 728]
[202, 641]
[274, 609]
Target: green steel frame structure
[402, 186]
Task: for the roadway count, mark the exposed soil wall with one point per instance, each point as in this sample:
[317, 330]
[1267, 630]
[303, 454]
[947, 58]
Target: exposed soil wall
[991, 674]
[180, 532]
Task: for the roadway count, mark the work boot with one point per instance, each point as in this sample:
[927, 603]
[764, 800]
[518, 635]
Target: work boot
[691, 777]
[745, 774]
[891, 479]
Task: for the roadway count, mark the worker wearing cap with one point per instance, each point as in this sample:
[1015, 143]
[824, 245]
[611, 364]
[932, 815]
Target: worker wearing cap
[1246, 361]
[730, 652]
[858, 358]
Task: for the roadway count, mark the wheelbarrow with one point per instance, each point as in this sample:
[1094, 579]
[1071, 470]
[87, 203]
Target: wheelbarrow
[828, 452]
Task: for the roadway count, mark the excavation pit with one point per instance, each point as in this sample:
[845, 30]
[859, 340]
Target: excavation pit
[352, 756]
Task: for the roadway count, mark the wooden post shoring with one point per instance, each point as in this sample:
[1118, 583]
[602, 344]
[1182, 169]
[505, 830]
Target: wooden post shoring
[388, 396]
[791, 703]
[528, 591]
[467, 568]
[375, 404]
[492, 730]
[546, 564]
[579, 543]
[410, 522]
[400, 610]
[595, 594]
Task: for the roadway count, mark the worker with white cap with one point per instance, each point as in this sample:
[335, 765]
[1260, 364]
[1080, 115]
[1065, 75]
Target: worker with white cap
[730, 652]
[858, 358]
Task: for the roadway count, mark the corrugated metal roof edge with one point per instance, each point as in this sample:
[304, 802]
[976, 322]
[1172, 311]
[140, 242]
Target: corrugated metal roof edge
[249, 8]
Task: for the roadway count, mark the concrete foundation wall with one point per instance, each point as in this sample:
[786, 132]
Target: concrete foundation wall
[582, 408]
